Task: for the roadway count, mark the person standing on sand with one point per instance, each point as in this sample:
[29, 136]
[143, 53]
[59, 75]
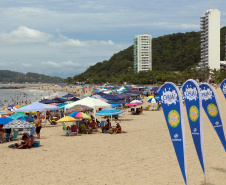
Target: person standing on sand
[38, 124]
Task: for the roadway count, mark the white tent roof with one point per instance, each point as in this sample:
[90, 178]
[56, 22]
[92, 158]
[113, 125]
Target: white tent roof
[91, 102]
[37, 107]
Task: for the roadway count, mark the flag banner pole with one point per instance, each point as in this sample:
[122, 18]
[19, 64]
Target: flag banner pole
[193, 102]
[210, 104]
[223, 87]
[171, 102]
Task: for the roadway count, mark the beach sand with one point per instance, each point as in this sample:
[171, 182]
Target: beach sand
[144, 154]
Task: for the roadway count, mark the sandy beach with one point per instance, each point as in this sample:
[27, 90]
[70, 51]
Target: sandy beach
[143, 155]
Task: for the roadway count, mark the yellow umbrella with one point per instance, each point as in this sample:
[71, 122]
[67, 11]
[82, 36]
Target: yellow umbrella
[150, 97]
[67, 119]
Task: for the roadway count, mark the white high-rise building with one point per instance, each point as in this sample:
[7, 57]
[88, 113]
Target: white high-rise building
[142, 53]
[210, 40]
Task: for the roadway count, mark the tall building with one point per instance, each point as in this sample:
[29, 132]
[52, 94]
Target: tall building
[142, 53]
[210, 39]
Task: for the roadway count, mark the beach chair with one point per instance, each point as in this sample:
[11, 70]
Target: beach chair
[102, 124]
[65, 129]
[159, 107]
[147, 108]
[84, 129]
[73, 130]
[15, 134]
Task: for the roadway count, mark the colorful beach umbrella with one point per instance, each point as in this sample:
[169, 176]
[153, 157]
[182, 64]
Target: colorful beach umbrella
[6, 112]
[80, 115]
[78, 108]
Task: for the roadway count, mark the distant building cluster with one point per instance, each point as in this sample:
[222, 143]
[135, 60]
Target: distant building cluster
[142, 53]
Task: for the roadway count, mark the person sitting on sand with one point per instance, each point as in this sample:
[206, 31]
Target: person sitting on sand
[107, 126]
[93, 125]
[27, 142]
[118, 129]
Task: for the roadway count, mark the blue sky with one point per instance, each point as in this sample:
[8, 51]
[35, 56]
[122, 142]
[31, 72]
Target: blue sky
[64, 37]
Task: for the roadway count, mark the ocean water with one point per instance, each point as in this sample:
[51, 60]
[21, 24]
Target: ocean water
[20, 96]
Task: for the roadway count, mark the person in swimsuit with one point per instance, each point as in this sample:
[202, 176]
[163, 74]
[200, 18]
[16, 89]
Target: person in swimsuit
[38, 124]
[118, 129]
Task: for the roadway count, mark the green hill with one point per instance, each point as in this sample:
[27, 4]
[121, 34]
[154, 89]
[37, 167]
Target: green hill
[7, 76]
[176, 52]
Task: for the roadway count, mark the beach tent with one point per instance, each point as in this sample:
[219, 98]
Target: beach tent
[91, 102]
[38, 107]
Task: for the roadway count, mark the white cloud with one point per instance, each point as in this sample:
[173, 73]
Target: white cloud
[24, 35]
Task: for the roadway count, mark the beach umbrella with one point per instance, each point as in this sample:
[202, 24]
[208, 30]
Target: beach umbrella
[6, 112]
[68, 95]
[26, 118]
[109, 112]
[78, 108]
[18, 115]
[67, 119]
[17, 106]
[17, 124]
[80, 115]
[86, 95]
[153, 100]
[5, 120]
[74, 99]
[12, 105]
[150, 97]
[131, 104]
[137, 101]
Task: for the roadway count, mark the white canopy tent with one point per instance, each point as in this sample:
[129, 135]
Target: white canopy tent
[38, 107]
[91, 102]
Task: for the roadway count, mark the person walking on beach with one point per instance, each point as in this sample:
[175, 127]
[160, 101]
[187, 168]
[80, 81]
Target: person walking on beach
[38, 124]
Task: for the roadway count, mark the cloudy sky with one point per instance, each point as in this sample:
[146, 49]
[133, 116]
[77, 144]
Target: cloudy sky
[64, 37]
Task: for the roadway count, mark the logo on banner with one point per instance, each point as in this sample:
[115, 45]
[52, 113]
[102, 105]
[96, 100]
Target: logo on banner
[169, 97]
[194, 113]
[191, 94]
[173, 118]
[212, 110]
[206, 94]
[217, 124]
[224, 89]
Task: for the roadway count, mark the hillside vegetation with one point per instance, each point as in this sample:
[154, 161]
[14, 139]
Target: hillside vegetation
[178, 52]
[7, 76]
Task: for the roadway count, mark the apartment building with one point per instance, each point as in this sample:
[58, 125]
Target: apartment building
[142, 53]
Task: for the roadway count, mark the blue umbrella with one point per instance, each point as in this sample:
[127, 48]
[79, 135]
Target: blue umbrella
[5, 120]
[109, 112]
[26, 118]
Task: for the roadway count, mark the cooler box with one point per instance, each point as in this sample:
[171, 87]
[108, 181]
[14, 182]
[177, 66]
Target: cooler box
[36, 143]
